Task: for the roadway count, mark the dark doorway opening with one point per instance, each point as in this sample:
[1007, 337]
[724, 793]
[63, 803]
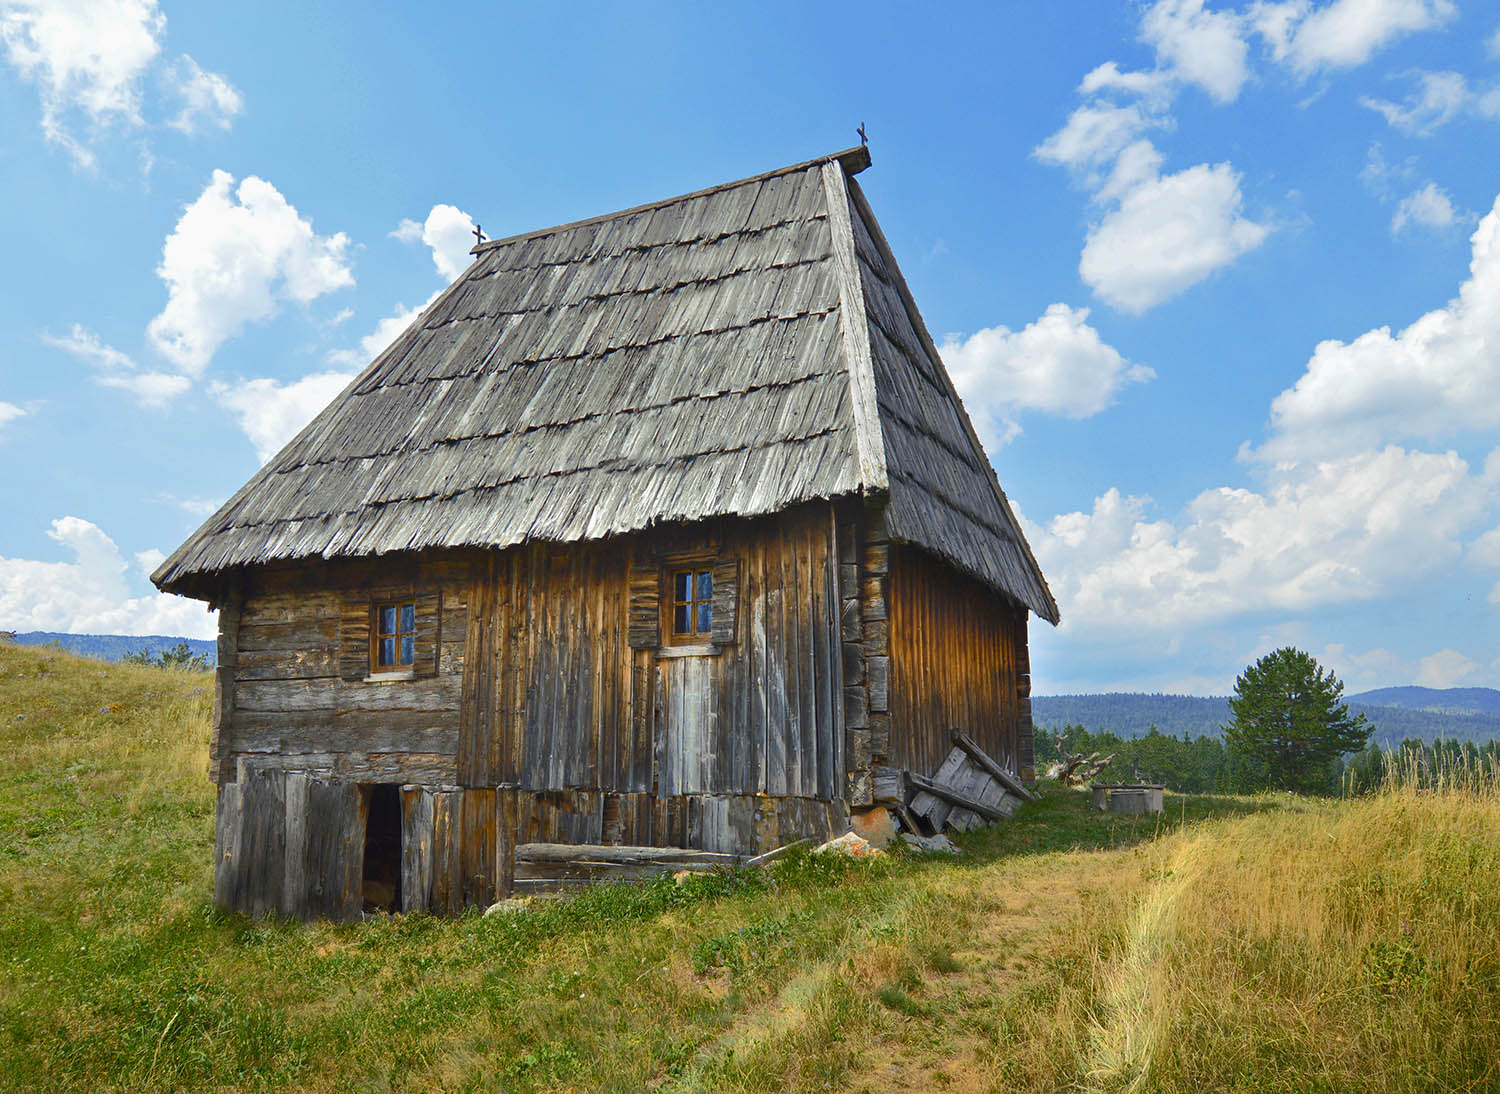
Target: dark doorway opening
[382, 876]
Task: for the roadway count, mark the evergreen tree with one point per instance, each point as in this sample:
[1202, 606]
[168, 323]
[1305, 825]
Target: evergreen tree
[1289, 716]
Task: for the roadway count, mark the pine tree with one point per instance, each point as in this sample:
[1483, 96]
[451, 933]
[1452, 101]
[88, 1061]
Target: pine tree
[1288, 715]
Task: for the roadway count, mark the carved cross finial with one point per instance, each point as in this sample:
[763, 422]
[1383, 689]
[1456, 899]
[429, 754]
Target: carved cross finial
[478, 235]
[863, 140]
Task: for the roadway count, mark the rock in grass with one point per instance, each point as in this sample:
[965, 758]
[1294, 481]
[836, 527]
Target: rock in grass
[510, 906]
[851, 844]
[931, 845]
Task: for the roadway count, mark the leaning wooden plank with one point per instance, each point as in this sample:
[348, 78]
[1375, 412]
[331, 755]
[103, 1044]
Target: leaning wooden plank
[933, 807]
[953, 798]
[983, 759]
[974, 782]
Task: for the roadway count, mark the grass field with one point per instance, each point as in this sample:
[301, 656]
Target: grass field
[1262, 943]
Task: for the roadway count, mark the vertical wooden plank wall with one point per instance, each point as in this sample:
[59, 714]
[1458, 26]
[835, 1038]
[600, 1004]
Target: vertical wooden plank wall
[956, 659]
[608, 741]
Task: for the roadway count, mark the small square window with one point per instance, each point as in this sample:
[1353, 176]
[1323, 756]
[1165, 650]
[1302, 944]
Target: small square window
[393, 639]
[692, 605]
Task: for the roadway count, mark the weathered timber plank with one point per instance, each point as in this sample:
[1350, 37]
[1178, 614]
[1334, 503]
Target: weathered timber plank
[447, 864]
[478, 846]
[301, 634]
[292, 696]
[935, 807]
[336, 815]
[938, 790]
[228, 828]
[295, 664]
[416, 848]
[363, 767]
[296, 883]
[421, 732]
[226, 672]
[533, 853]
[987, 762]
[880, 675]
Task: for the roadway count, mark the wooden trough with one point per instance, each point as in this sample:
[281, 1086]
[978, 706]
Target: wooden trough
[1128, 797]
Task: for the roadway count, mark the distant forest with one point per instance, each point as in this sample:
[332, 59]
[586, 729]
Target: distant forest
[116, 647]
[1129, 715]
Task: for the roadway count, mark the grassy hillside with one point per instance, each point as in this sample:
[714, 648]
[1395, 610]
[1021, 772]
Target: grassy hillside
[1235, 942]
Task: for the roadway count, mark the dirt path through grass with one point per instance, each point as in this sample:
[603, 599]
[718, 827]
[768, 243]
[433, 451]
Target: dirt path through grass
[954, 989]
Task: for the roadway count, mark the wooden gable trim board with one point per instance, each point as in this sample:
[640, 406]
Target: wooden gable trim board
[868, 438]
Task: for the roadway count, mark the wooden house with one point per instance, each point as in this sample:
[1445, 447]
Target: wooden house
[664, 528]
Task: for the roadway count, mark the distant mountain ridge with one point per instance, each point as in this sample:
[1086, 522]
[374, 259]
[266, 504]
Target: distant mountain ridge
[116, 647]
[1428, 714]
[1436, 700]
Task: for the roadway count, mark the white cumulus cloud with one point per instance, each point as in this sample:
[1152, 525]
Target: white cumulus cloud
[1439, 98]
[449, 231]
[271, 413]
[1432, 380]
[1429, 207]
[114, 368]
[208, 99]
[1331, 532]
[1342, 34]
[1201, 47]
[1057, 364]
[1167, 233]
[1093, 135]
[1444, 669]
[9, 412]
[234, 257]
[93, 593]
[87, 59]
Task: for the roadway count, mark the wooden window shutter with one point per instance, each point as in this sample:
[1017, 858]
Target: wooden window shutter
[354, 630]
[726, 600]
[429, 605]
[354, 636]
[645, 602]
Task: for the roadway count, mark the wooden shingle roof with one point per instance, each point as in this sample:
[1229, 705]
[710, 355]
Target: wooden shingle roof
[734, 351]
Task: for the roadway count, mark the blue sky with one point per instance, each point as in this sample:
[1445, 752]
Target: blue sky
[1220, 282]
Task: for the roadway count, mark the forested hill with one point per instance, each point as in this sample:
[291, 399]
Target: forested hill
[1435, 700]
[114, 647]
[1454, 714]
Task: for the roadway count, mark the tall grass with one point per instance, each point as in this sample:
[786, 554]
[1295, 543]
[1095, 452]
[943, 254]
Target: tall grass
[1462, 770]
[1354, 946]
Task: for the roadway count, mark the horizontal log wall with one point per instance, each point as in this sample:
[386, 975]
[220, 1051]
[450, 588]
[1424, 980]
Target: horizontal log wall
[288, 707]
[956, 657]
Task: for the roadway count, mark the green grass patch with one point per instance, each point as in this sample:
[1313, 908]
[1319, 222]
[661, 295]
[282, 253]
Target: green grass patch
[1006, 967]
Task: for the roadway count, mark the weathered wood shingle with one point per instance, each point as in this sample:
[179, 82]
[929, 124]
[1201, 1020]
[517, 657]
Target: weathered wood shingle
[732, 352]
